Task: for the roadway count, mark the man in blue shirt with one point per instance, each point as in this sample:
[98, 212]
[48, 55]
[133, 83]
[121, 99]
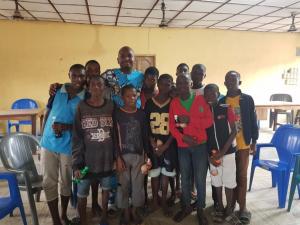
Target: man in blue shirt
[125, 75]
[56, 143]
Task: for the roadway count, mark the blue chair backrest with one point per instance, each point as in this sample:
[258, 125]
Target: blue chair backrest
[286, 139]
[24, 103]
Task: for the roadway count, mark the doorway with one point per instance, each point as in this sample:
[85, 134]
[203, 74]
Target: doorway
[142, 62]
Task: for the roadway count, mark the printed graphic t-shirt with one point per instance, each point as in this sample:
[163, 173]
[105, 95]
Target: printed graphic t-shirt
[93, 137]
[116, 79]
[234, 102]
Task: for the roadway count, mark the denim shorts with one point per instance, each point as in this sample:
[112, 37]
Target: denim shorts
[84, 186]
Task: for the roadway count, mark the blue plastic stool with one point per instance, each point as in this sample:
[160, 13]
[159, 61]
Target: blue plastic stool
[8, 204]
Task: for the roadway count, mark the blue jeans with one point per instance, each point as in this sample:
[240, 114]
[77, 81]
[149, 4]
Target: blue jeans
[193, 158]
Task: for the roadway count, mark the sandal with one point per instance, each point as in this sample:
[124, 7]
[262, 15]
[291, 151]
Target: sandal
[182, 214]
[66, 221]
[233, 220]
[75, 221]
[218, 217]
[245, 217]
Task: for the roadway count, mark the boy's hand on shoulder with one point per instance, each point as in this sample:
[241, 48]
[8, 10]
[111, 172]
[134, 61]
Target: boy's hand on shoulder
[77, 174]
[121, 167]
[189, 140]
[253, 148]
[53, 88]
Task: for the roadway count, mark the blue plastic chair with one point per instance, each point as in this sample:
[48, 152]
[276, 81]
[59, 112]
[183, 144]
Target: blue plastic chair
[295, 182]
[24, 103]
[8, 204]
[286, 140]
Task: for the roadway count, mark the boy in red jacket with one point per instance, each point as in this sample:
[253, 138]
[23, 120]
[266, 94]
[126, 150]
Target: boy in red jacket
[189, 117]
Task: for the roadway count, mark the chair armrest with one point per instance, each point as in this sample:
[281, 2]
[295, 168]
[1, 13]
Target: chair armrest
[10, 177]
[15, 170]
[6, 175]
[261, 146]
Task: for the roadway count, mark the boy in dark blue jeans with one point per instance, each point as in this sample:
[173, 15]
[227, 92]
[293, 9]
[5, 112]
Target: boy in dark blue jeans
[189, 116]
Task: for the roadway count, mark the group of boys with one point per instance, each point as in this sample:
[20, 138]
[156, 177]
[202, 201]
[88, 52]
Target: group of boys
[120, 128]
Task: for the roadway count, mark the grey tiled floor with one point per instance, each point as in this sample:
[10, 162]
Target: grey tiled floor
[261, 201]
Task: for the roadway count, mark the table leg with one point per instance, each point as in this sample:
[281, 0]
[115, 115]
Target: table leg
[41, 123]
[33, 122]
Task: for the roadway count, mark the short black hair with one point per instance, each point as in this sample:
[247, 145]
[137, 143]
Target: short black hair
[165, 76]
[127, 87]
[182, 65]
[92, 61]
[233, 72]
[200, 66]
[77, 67]
[211, 87]
[152, 70]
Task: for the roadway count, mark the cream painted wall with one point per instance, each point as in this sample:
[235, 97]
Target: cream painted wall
[35, 54]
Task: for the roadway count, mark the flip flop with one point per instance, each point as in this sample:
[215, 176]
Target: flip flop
[218, 217]
[245, 217]
[66, 221]
[233, 220]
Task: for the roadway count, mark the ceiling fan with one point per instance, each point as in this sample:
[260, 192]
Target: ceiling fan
[293, 27]
[163, 22]
[17, 15]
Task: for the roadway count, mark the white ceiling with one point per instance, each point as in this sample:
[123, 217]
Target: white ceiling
[248, 15]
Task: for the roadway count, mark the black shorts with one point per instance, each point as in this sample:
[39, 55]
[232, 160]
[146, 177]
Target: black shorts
[167, 160]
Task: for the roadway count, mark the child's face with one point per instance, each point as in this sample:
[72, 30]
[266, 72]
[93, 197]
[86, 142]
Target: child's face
[182, 70]
[150, 81]
[165, 86]
[211, 96]
[92, 69]
[232, 82]
[183, 85]
[126, 58]
[77, 78]
[130, 97]
[96, 87]
[197, 75]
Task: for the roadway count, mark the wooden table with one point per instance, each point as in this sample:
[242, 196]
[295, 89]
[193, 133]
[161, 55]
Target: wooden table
[24, 114]
[262, 109]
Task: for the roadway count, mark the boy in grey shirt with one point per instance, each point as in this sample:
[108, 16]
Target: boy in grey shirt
[93, 145]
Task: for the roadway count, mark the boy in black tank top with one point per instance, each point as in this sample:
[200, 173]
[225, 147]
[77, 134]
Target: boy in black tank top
[162, 152]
